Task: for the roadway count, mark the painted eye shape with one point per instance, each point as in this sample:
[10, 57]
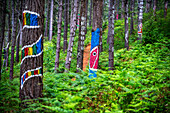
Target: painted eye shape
[94, 54]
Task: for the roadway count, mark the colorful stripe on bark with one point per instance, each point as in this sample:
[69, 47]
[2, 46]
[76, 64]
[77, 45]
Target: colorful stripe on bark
[94, 53]
[140, 28]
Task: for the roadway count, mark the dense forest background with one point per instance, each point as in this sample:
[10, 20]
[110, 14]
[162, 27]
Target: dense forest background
[134, 59]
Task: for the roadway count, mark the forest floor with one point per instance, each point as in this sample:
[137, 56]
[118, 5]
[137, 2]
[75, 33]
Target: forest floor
[86, 56]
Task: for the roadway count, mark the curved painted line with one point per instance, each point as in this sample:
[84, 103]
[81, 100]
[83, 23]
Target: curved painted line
[26, 26]
[31, 12]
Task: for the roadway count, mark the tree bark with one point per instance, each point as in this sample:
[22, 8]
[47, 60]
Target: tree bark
[51, 21]
[140, 17]
[154, 8]
[148, 5]
[111, 34]
[59, 34]
[123, 7]
[72, 35]
[65, 25]
[91, 2]
[2, 27]
[132, 14]
[82, 26]
[86, 17]
[165, 8]
[126, 26]
[31, 71]
[47, 17]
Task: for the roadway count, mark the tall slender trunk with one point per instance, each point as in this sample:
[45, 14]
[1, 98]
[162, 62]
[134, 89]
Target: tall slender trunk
[2, 27]
[118, 3]
[58, 35]
[80, 48]
[132, 14]
[14, 20]
[148, 5]
[165, 8]
[68, 11]
[126, 26]
[72, 35]
[115, 5]
[78, 14]
[154, 8]
[47, 17]
[100, 22]
[111, 34]
[31, 70]
[65, 25]
[91, 2]
[86, 17]
[140, 17]
[51, 21]
[123, 7]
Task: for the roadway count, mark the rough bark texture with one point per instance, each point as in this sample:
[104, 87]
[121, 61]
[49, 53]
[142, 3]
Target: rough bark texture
[32, 88]
[91, 2]
[80, 49]
[72, 35]
[14, 20]
[132, 14]
[123, 11]
[65, 25]
[165, 8]
[2, 27]
[58, 34]
[51, 21]
[154, 8]
[126, 26]
[140, 17]
[111, 34]
[47, 17]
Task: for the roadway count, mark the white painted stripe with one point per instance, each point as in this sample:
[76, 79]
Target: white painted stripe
[31, 12]
[26, 26]
[31, 70]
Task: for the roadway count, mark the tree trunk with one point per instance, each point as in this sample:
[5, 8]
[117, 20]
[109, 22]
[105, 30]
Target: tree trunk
[59, 34]
[91, 2]
[117, 16]
[14, 20]
[126, 26]
[51, 21]
[132, 14]
[31, 74]
[140, 17]
[123, 7]
[47, 17]
[86, 17]
[78, 15]
[82, 26]
[166, 7]
[65, 25]
[148, 5]
[68, 11]
[111, 34]
[2, 27]
[72, 35]
[154, 8]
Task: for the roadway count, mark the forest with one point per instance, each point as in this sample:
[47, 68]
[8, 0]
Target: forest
[84, 56]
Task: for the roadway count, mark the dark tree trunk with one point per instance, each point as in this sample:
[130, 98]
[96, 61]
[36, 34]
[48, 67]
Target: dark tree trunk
[68, 11]
[126, 26]
[111, 34]
[72, 35]
[31, 71]
[80, 48]
[14, 21]
[78, 13]
[2, 27]
[154, 8]
[86, 16]
[65, 25]
[91, 2]
[47, 17]
[132, 14]
[51, 21]
[59, 34]
[165, 8]
[123, 7]
[118, 3]
[140, 17]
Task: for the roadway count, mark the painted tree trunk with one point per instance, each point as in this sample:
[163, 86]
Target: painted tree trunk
[2, 27]
[111, 34]
[126, 26]
[14, 20]
[132, 14]
[9, 31]
[165, 8]
[58, 35]
[140, 17]
[47, 17]
[154, 8]
[51, 21]
[65, 25]
[82, 26]
[91, 2]
[72, 35]
[31, 71]
[123, 7]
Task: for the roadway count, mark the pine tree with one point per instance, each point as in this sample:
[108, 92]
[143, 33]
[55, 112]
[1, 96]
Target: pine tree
[91, 2]
[47, 18]
[140, 17]
[132, 14]
[126, 26]
[51, 21]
